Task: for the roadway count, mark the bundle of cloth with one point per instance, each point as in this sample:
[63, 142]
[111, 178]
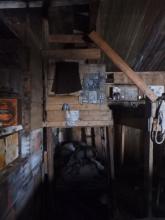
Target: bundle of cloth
[77, 162]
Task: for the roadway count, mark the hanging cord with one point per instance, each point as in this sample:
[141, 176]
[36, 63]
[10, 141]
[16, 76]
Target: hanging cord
[158, 126]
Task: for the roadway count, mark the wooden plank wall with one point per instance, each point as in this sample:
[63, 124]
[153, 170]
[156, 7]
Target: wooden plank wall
[9, 149]
[150, 78]
[19, 179]
[17, 186]
[90, 114]
[36, 90]
[21, 73]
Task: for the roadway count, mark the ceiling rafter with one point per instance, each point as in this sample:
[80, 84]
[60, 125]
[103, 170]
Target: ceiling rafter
[38, 4]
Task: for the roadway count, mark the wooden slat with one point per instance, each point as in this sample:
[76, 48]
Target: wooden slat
[66, 38]
[81, 107]
[10, 130]
[95, 115]
[150, 78]
[78, 124]
[88, 134]
[50, 153]
[73, 54]
[84, 116]
[55, 116]
[62, 99]
[45, 32]
[76, 134]
[98, 142]
[36, 115]
[122, 65]
[11, 148]
[38, 4]
[110, 151]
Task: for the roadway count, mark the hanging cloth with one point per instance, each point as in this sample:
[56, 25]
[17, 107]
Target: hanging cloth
[66, 79]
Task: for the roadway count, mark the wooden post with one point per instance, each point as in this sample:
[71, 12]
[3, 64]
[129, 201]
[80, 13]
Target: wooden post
[45, 32]
[88, 135]
[98, 141]
[110, 139]
[150, 160]
[111, 177]
[50, 155]
[122, 144]
[122, 65]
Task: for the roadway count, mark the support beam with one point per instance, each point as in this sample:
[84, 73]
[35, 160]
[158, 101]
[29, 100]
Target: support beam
[73, 54]
[14, 26]
[66, 38]
[122, 65]
[45, 32]
[38, 4]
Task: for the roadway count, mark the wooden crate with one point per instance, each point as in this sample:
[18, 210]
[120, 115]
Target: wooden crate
[9, 149]
[8, 112]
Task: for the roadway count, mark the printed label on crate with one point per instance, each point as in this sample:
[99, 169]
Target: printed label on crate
[8, 112]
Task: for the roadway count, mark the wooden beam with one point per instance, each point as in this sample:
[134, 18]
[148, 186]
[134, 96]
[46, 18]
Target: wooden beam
[149, 156]
[66, 38]
[81, 107]
[73, 54]
[150, 78]
[45, 32]
[59, 116]
[78, 124]
[38, 4]
[14, 26]
[110, 136]
[150, 218]
[50, 153]
[122, 145]
[10, 130]
[122, 65]
[57, 3]
[53, 100]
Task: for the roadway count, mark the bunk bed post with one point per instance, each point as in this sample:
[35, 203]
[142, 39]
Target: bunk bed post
[110, 137]
[50, 154]
[150, 113]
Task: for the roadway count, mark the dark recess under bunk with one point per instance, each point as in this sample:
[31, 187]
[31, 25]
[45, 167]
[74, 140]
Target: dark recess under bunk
[80, 184]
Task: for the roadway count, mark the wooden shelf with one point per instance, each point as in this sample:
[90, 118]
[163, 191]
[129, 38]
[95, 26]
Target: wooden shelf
[63, 38]
[73, 54]
[9, 130]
